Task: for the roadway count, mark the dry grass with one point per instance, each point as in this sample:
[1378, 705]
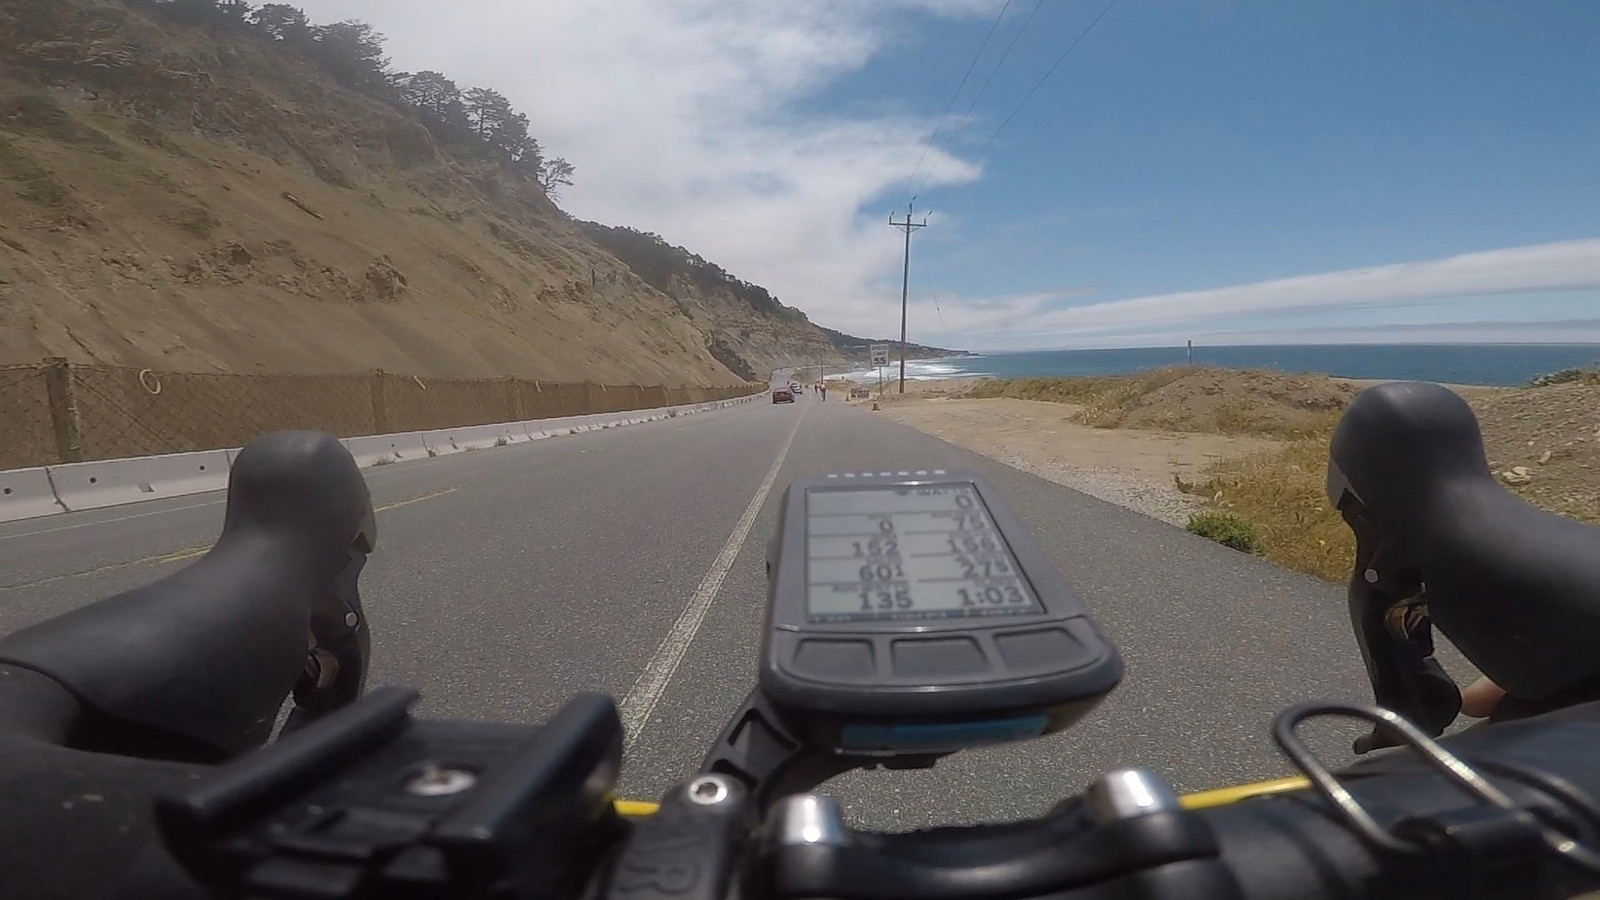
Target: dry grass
[1233, 418]
[1202, 399]
[1283, 493]
[1106, 401]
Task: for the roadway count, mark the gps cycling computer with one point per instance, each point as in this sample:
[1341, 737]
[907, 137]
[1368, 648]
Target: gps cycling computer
[912, 613]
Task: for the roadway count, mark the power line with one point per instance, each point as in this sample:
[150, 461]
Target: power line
[979, 95]
[951, 105]
[934, 296]
[1048, 72]
[1016, 37]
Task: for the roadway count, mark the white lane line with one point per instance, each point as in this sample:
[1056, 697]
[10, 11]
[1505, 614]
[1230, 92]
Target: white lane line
[157, 512]
[641, 700]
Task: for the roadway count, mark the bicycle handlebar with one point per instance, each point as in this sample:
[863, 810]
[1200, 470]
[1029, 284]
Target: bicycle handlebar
[1128, 836]
[349, 808]
[326, 812]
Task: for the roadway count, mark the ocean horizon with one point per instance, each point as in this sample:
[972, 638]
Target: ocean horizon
[1491, 364]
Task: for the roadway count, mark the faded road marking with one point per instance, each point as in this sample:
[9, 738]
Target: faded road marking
[399, 503]
[181, 555]
[157, 512]
[174, 556]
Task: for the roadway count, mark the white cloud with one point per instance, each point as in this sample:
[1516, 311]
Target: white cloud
[1566, 265]
[685, 117]
[1561, 331]
[1037, 320]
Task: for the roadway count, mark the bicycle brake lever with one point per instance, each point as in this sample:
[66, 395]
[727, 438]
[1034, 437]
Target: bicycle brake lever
[1388, 613]
[341, 641]
[1396, 641]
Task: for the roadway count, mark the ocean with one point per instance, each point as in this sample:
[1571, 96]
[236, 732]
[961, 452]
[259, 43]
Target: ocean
[1502, 364]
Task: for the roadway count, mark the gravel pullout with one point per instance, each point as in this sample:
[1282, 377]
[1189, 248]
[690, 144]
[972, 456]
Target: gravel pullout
[1154, 500]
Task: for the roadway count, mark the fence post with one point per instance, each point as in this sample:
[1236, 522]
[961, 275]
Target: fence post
[513, 401]
[63, 409]
[380, 406]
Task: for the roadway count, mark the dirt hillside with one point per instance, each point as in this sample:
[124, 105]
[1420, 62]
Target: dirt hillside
[751, 332]
[1552, 434]
[189, 199]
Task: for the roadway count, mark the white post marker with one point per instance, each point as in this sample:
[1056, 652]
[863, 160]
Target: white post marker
[880, 358]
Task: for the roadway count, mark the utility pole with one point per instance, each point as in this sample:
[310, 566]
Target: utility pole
[907, 226]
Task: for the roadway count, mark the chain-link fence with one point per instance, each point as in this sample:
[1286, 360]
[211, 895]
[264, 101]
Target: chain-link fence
[27, 434]
[59, 412]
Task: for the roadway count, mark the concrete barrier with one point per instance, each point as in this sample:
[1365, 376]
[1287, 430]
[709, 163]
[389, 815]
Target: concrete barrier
[113, 482]
[27, 494]
[457, 440]
[543, 428]
[382, 449]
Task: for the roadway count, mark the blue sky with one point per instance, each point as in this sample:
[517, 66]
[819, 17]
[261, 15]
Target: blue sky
[1232, 170]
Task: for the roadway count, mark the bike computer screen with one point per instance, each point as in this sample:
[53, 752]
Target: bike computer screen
[913, 613]
[920, 551]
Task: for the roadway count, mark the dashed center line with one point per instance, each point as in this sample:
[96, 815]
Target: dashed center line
[399, 503]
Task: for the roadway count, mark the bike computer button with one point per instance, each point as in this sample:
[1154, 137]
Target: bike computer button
[840, 659]
[906, 611]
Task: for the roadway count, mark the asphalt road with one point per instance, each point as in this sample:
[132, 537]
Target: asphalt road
[507, 579]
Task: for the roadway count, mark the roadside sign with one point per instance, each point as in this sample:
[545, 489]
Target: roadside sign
[880, 354]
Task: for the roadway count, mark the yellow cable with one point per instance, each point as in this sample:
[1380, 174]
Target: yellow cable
[1234, 793]
[1199, 800]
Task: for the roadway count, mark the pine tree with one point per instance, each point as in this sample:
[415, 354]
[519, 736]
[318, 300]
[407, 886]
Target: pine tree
[557, 172]
[283, 22]
[353, 53]
[487, 112]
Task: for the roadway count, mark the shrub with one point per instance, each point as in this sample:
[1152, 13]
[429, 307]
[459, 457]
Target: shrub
[1283, 493]
[1226, 529]
[1588, 375]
